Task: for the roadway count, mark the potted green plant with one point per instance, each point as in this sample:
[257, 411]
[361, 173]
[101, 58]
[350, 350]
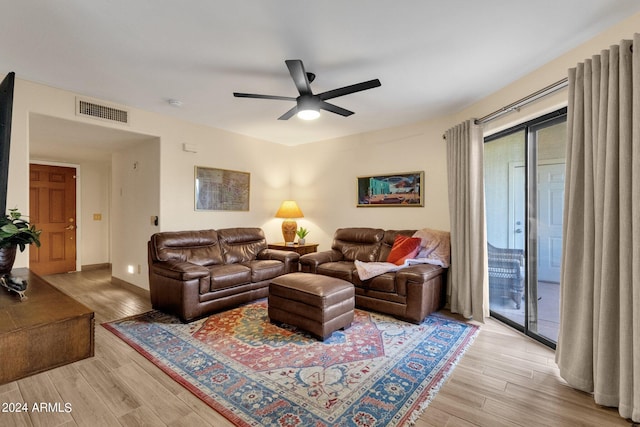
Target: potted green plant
[15, 232]
[302, 233]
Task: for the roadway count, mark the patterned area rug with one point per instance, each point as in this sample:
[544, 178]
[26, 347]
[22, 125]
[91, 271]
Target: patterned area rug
[379, 372]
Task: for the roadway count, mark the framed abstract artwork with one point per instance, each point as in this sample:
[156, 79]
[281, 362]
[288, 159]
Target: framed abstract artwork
[396, 189]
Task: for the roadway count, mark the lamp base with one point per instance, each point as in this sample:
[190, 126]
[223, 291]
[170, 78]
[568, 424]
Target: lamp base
[289, 228]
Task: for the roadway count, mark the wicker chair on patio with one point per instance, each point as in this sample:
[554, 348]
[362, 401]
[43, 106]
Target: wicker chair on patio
[506, 272]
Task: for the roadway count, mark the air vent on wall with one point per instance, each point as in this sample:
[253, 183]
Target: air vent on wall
[90, 108]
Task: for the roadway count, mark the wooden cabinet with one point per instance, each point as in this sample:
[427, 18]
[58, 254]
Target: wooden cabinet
[46, 330]
[301, 249]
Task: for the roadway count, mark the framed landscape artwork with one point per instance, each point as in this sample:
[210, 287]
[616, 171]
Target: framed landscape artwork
[398, 189]
[221, 190]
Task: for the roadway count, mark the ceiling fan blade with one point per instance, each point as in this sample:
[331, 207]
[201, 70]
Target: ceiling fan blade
[299, 76]
[349, 89]
[335, 109]
[289, 114]
[253, 95]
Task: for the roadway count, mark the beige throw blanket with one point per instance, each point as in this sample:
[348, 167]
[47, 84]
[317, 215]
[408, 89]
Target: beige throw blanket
[436, 246]
[435, 249]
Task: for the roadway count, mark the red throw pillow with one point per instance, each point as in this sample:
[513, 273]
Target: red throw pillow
[404, 248]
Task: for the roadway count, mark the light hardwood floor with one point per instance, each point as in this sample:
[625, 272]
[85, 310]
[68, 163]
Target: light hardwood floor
[504, 379]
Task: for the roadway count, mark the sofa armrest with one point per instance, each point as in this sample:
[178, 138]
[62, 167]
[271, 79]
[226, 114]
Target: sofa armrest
[424, 285]
[310, 262]
[280, 255]
[289, 258]
[418, 273]
[179, 270]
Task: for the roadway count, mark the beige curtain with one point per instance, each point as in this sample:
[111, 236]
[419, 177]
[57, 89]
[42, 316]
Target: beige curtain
[468, 277]
[599, 341]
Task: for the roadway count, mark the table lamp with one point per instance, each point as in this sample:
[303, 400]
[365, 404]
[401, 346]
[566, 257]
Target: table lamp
[289, 209]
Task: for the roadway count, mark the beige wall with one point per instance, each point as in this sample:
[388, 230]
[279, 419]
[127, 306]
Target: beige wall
[172, 179]
[135, 198]
[95, 198]
[320, 176]
[324, 181]
[327, 179]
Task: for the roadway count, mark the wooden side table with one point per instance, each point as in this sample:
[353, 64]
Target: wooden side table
[301, 249]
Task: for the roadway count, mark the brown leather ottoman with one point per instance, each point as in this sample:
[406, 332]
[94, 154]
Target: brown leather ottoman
[312, 302]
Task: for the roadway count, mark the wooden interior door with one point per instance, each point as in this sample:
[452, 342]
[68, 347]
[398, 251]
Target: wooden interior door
[52, 208]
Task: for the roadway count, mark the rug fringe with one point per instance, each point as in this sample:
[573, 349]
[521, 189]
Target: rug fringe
[416, 413]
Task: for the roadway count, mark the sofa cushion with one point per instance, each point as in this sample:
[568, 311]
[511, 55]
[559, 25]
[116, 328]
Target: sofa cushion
[265, 269]
[241, 244]
[362, 244]
[197, 247]
[344, 270]
[383, 283]
[387, 242]
[228, 275]
[403, 248]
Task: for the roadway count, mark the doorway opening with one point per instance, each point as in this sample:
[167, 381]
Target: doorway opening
[109, 162]
[524, 190]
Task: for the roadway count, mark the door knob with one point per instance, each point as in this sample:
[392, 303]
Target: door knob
[69, 227]
[518, 230]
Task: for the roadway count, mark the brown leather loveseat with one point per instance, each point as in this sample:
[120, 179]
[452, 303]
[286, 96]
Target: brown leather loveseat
[194, 273]
[410, 294]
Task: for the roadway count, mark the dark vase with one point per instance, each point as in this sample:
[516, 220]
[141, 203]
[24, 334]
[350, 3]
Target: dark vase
[7, 258]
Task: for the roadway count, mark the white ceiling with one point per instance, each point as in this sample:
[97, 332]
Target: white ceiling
[432, 57]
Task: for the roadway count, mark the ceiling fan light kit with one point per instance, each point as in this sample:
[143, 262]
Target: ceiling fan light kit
[307, 108]
[308, 114]
[308, 104]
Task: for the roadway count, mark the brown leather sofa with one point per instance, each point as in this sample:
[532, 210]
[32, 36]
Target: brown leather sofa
[195, 273]
[410, 294]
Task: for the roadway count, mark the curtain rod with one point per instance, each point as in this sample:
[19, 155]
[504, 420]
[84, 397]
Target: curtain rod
[515, 106]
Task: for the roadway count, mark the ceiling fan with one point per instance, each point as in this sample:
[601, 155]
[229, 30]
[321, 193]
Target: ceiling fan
[308, 105]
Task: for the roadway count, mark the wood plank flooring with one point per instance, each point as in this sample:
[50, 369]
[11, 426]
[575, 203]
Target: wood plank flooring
[504, 379]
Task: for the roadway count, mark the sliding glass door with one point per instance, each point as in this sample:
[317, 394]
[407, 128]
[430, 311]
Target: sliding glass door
[524, 190]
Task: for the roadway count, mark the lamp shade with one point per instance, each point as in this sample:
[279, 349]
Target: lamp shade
[289, 209]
